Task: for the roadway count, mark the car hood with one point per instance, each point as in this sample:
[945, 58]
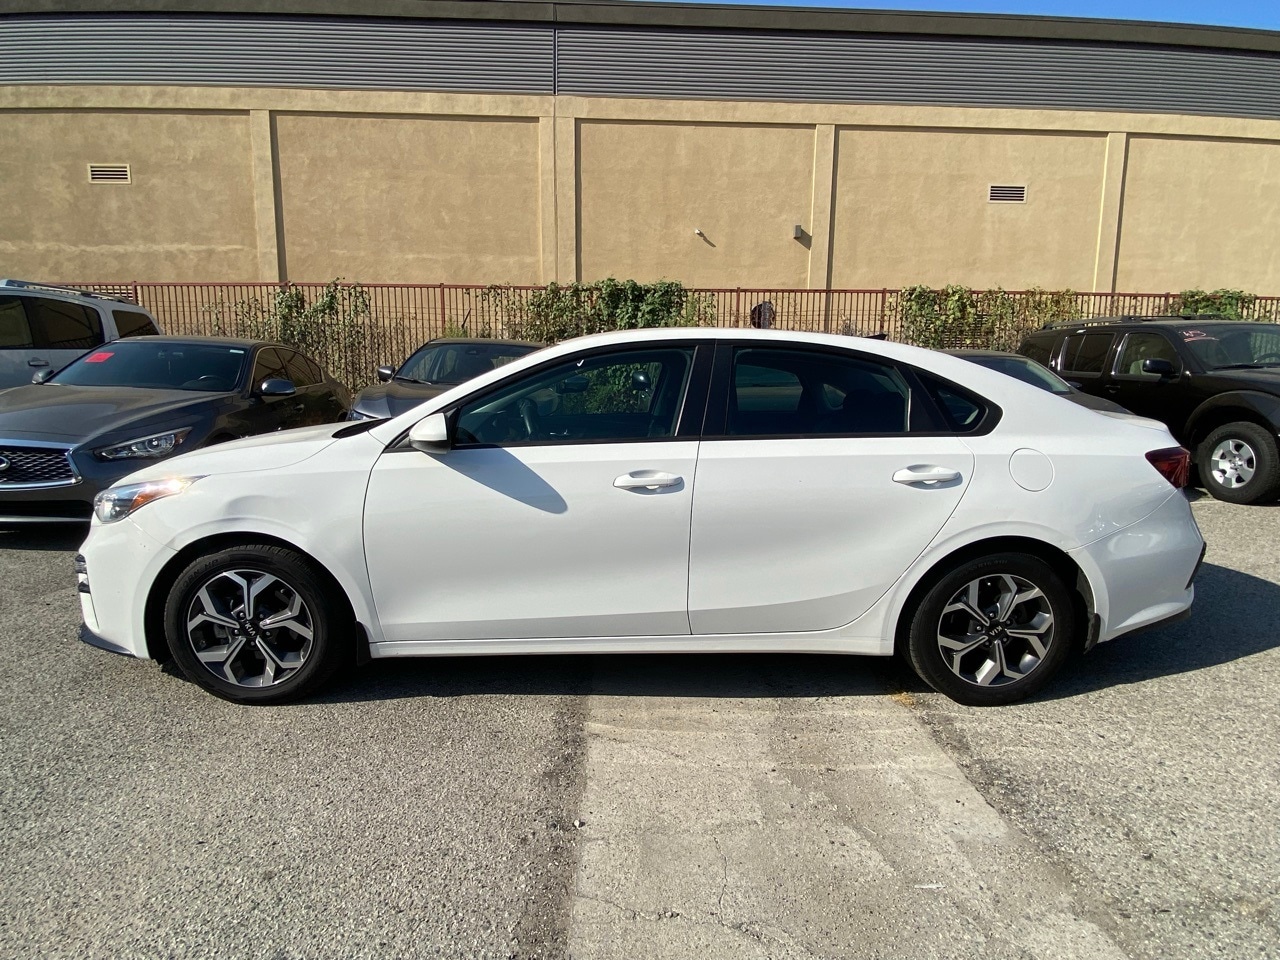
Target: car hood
[72, 414]
[394, 398]
[1266, 379]
[267, 451]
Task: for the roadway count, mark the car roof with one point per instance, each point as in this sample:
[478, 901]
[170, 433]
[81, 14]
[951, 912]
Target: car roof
[205, 341]
[987, 353]
[485, 340]
[1171, 320]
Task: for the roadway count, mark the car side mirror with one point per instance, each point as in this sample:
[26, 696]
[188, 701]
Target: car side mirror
[575, 384]
[1158, 365]
[1074, 384]
[385, 374]
[276, 387]
[430, 434]
[41, 376]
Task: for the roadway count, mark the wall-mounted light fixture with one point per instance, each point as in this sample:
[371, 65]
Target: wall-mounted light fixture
[797, 233]
[698, 233]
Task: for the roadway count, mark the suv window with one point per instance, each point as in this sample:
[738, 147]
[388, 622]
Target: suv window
[1038, 350]
[1138, 347]
[131, 323]
[65, 326]
[15, 331]
[1086, 353]
[798, 393]
[630, 395]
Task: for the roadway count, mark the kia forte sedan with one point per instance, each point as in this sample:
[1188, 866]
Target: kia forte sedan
[660, 491]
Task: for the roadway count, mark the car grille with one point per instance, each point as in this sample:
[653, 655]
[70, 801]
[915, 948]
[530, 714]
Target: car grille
[24, 466]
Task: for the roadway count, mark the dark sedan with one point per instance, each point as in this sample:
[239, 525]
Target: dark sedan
[1028, 371]
[131, 402]
[432, 369]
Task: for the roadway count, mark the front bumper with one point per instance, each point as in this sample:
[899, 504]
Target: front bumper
[117, 565]
[70, 502]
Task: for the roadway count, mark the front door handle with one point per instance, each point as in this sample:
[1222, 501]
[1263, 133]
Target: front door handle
[647, 480]
[37, 362]
[925, 474]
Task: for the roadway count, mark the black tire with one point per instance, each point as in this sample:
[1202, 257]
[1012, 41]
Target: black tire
[959, 674]
[299, 635]
[1239, 463]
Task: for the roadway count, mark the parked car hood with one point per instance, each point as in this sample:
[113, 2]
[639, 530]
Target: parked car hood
[265, 451]
[71, 414]
[394, 398]
[1266, 379]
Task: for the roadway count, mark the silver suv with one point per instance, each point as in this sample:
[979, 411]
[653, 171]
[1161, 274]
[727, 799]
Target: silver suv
[43, 328]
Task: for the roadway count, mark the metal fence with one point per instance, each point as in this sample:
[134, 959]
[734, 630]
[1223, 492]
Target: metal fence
[391, 320]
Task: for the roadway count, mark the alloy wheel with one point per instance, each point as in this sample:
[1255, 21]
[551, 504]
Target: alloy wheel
[995, 630]
[1233, 463]
[249, 628]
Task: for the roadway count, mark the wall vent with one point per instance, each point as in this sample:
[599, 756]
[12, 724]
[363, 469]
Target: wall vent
[109, 173]
[999, 193]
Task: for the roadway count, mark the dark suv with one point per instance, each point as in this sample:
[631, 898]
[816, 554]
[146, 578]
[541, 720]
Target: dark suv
[1214, 382]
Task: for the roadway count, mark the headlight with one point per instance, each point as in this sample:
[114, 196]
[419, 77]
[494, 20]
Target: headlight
[118, 502]
[144, 448]
[354, 414]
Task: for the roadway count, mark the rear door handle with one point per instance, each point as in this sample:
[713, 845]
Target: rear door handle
[647, 480]
[925, 474]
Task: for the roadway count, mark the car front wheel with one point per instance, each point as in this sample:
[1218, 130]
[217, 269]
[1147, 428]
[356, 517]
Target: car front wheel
[1239, 463]
[257, 624]
[993, 631]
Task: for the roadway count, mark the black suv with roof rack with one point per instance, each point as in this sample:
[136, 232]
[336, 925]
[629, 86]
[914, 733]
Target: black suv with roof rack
[1213, 381]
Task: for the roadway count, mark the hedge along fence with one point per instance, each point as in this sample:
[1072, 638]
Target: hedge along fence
[353, 327]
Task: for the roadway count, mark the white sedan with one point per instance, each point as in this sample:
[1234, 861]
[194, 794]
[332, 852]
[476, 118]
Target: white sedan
[659, 490]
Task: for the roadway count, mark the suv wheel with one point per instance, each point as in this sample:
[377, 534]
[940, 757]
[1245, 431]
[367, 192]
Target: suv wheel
[1239, 463]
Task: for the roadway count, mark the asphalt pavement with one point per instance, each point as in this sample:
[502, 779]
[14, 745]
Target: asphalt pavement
[648, 806]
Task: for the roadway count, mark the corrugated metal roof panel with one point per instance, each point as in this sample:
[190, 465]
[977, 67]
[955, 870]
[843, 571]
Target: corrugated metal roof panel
[922, 70]
[277, 51]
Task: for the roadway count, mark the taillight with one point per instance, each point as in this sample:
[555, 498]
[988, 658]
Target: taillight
[1174, 464]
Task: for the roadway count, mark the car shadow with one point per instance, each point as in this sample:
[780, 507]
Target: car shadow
[697, 675]
[45, 537]
[1197, 643]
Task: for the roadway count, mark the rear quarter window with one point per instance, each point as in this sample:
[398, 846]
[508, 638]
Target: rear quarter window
[962, 411]
[132, 323]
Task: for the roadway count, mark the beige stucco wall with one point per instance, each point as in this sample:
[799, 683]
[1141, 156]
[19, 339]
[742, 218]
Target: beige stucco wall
[1200, 213]
[409, 200]
[245, 184]
[188, 215]
[644, 189]
[912, 207]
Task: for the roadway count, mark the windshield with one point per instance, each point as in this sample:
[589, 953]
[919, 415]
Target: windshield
[1024, 369]
[1224, 345]
[459, 362]
[142, 362]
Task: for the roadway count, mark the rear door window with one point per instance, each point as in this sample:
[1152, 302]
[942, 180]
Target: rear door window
[64, 326]
[15, 330]
[1086, 354]
[807, 393]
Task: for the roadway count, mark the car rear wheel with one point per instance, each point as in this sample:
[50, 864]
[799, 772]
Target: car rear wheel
[993, 631]
[1239, 463]
[257, 624]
